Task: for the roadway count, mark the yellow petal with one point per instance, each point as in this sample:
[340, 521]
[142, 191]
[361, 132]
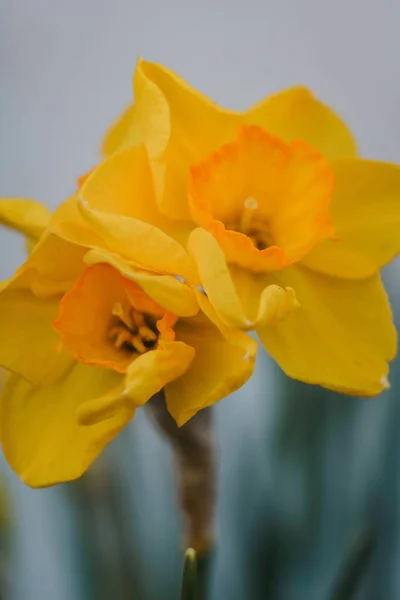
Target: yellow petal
[117, 203]
[26, 216]
[216, 279]
[263, 305]
[123, 134]
[122, 185]
[366, 213]
[295, 114]
[229, 295]
[179, 126]
[224, 361]
[145, 376]
[28, 306]
[341, 337]
[40, 435]
[170, 293]
[52, 267]
[68, 224]
[140, 243]
[28, 342]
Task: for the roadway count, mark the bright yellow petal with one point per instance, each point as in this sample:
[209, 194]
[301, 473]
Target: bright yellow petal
[123, 134]
[178, 126]
[68, 224]
[122, 185]
[341, 337]
[170, 293]
[26, 216]
[295, 114]
[366, 213]
[216, 279]
[52, 267]
[228, 297]
[28, 306]
[146, 376]
[223, 362]
[28, 342]
[40, 435]
[140, 243]
[263, 305]
[117, 202]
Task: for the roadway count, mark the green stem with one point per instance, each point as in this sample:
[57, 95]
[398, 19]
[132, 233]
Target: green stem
[196, 574]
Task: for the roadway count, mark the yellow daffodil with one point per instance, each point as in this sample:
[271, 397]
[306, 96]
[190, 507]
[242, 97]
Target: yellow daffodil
[98, 320]
[289, 228]
[125, 334]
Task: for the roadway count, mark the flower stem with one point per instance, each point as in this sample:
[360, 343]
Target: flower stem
[194, 458]
[195, 580]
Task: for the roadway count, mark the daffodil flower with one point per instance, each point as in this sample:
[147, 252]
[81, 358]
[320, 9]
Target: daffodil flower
[288, 227]
[88, 337]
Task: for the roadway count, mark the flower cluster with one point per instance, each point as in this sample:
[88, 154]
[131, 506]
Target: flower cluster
[199, 225]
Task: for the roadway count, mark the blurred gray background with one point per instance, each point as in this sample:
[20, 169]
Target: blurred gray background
[301, 471]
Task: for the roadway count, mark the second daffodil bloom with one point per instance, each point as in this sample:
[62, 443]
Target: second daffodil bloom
[95, 323]
[289, 228]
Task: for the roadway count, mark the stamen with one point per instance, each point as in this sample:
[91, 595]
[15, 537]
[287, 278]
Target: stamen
[120, 336]
[123, 316]
[138, 344]
[249, 207]
[144, 331]
[131, 333]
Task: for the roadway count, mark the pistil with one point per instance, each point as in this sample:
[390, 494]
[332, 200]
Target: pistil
[250, 206]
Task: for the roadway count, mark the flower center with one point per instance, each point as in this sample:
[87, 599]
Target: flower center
[265, 201]
[249, 208]
[253, 227]
[132, 331]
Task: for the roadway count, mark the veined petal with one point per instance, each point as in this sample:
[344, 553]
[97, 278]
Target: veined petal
[68, 224]
[122, 185]
[170, 293]
[40, 434]
[263, 305]
[341, 337]
[123, 134]
[145, 376]
[295, 114]
[140, 243]
[236, 299]
[366, 213]
[26, 216]
[29, 345]
[52, 267]
[216, 279]
[224, 361]
[178, 126]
